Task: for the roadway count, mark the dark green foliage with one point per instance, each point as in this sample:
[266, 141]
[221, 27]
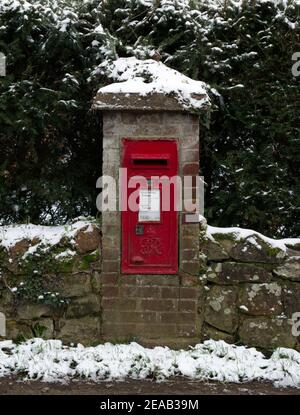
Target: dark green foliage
[41, 278]
[50, 141]
[258, 130]
[50, 150]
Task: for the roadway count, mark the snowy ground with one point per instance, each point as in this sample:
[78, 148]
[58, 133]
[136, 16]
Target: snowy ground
[173, 386]
[50, 361]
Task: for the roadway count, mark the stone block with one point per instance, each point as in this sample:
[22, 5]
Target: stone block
[96, 282]
[111, 156]
[189, 242]
[290, 269]
[128, 316]
[146, 280]
[111, 218]
[110, 291]
[190, 155]
[186, 330]
[158, 305]
[260, 299]
[187, 305]
[191, 230]
[190, 267]
[190, 169]
[110, 254]
[212, 250]
[7, 303]
[190, 255]
[84, 330]
[255, 249]
[209, 332]
[291, 299]
[118, 332]
[249, 249]
[170, 292]
[126, 304]
[75, 285]
[187, 280]
[178, 317]
[19, 248]
[191, 141]
[111, 265]
[87, 239]
[16, 329]
[141, 292]
[267, 333]
[189, 293]
[29, 311]
[221, 308]
[237, 272]
[110, 241]
[111, 140]
[83, 306]
[155, 331]
[109, 278]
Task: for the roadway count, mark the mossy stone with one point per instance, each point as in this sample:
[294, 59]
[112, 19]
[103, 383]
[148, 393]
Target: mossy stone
[86, 260]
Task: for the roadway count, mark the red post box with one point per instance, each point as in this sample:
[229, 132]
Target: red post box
[149, 233]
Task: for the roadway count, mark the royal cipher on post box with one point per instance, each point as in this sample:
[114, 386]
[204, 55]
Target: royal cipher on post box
[150, 255]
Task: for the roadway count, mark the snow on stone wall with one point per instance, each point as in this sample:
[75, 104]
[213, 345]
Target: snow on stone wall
[49, 280]
[247, 291]
[252, 287]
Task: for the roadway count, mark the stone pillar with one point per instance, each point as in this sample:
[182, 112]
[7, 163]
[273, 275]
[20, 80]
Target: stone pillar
[153, 309]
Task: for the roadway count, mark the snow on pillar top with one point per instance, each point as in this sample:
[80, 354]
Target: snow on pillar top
[150, 85]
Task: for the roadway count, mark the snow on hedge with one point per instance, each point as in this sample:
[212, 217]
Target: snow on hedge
[50, 361]
[145, 77]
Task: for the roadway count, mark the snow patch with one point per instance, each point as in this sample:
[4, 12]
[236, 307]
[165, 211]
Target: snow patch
[51, 361]
[65, 254]
[144, 77]
[241, 233]
[46, 236]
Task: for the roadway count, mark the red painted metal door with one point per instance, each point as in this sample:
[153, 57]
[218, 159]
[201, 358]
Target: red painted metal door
[149, 233]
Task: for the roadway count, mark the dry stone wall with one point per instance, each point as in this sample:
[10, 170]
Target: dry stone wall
[50, 284]
[252, 288]
[247, 290]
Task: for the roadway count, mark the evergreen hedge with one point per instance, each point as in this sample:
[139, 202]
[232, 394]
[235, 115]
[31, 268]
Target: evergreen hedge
[50, 140]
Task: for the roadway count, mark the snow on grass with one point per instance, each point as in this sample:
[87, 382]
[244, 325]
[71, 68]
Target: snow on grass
[51, 361]
[146, 77]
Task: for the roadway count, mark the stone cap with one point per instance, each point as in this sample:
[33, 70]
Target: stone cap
[150, 86]
[154, 102]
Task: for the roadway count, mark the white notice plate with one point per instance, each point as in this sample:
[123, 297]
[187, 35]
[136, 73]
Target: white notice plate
[149, 208]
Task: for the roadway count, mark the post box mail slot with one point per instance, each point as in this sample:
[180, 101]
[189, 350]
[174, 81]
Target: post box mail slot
[149, 233]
